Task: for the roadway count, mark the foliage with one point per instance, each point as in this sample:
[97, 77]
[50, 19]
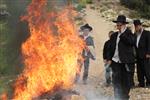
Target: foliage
[142, 6]
[82, 4]
[12, 33]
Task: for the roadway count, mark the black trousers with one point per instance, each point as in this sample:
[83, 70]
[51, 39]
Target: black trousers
[147, 68]
[143, 72]
[131, 73]
[86, 68]
[121, 80]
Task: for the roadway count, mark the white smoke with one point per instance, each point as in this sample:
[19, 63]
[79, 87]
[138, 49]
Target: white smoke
[91, 92]
[91, 95]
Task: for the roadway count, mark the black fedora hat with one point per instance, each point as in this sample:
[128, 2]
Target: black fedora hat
[137, 22]
[121, 19]
[86, 26]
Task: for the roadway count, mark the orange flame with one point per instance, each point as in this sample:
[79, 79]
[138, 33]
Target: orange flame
[50, 53]
[3, 96]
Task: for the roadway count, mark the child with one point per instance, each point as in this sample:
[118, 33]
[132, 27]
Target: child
[88, 52]
[106, 61]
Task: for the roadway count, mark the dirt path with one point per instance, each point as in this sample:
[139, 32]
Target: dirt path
[92, 91]
[95, 89]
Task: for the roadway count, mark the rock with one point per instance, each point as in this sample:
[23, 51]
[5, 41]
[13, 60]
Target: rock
[77, 97]
[146, 23]
[109, 14]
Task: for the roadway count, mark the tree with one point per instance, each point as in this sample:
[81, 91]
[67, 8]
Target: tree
[12, 34]
[142, 6]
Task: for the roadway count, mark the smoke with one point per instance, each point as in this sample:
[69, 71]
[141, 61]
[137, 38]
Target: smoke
[91, 92]
[92, 95]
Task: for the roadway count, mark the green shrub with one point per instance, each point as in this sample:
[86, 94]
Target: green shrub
[12, 34]
[142, 6]
[79, 7]
[82, 4]
[89, 1]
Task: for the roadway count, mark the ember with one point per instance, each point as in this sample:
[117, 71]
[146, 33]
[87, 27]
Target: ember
[3, 96]
[50, 53]
[58, 95]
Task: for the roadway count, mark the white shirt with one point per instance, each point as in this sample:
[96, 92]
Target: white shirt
[91, 48]
[116, 54]
[138, 38]
[85, 37]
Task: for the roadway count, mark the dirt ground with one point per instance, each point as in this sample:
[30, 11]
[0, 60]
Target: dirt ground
[92, 90]
[96, 89]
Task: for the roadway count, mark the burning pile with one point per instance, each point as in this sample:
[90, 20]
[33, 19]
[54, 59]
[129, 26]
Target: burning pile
[50, 53]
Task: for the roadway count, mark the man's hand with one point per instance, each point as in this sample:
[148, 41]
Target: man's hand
[109, 62]
[87, 49]
[105, 61]
[147, 56]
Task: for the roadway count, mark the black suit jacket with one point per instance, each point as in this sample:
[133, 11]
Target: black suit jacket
[125, 46]
[106, 50]
[143, 45]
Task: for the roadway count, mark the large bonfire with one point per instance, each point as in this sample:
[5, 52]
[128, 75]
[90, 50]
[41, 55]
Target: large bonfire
[50, 53]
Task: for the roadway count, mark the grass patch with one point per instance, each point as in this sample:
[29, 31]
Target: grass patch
[6, 85]
[82, 4]
[89, 1]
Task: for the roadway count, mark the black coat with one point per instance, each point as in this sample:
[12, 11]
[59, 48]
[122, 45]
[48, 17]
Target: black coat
[125, 46]
[106, 50]
[144, 45]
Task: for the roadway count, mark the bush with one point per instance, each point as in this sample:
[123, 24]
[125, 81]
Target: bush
[142, 6]
[13, 33]
[89, 1]
[82, 4]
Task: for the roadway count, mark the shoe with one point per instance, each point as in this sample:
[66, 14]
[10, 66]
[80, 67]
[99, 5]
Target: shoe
[77, 79]
[133, 85]
[107, 83]
[147, 84]
[141, 85]
[84, 82]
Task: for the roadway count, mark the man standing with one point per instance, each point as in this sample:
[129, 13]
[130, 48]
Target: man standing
[88, 52]
[123, 58]
[106, 61]
[143, 54]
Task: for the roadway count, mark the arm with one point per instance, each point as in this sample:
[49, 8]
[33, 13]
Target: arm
[90, 47]
[112, 45]
[148, 45]
[104, 51]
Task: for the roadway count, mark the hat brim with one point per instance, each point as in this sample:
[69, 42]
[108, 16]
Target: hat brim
[120, 22]
[135, 24]
[86, 27]
[90, 28]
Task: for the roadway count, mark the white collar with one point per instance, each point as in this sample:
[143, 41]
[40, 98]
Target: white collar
[123, 30]
[139, 33]
[85, 37]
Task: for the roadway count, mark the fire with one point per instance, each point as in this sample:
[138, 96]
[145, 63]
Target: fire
[3, 96]
[50, 53]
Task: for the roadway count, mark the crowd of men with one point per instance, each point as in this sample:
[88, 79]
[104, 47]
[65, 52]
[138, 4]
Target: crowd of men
[123, 53]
